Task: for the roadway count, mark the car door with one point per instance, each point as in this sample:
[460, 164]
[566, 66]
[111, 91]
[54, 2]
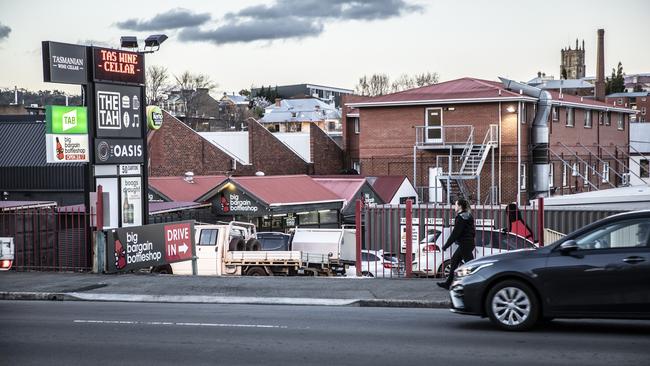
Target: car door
[607, 274]
[206, 251]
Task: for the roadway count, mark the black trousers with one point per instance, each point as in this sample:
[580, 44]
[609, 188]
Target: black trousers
[461, 254]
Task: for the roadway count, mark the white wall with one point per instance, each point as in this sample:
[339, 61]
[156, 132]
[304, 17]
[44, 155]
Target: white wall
[405, 190]
[298, 142]
[234, 144]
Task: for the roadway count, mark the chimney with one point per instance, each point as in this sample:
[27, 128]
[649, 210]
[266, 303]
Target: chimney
[277, 102]
[600, 66]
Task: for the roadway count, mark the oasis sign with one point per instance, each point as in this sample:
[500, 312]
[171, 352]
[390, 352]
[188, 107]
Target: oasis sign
[118, 65]
[118, 151]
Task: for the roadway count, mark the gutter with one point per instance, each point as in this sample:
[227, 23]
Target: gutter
[441, 101]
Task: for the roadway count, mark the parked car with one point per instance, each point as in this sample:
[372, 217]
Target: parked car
[377, 263]
[274, 241]
[599, 271]
[431, 261]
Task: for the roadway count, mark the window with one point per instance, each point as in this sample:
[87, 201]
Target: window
[524, 113]
[608, 118]
[554, 113]
[574, 170]
[643, 99]
[357, 125]
[605, 172]
[621, 122]
[587, 118]
[585, 181]
[621, 234]
[367, 257]
[551, 175]
[356, 166]
[208, 237]
[564, 175]
[645, 168]
[620, 101]
[522, 177]
[570, 114]
[643, 109]
[601, 118]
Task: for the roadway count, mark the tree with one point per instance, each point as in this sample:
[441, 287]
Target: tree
[404, 82]
[379, 84]
[189, 81]
[157, 78]
[245, 93]
[616, 83]
[426, 79]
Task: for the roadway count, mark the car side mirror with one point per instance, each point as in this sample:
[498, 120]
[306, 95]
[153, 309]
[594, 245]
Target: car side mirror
[568, 246]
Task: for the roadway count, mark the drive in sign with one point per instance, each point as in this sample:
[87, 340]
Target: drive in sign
[148, 246]
[178, 239]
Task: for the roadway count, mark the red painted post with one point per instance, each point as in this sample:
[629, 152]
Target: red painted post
[408, 258]
[357, 221]
[540, 221]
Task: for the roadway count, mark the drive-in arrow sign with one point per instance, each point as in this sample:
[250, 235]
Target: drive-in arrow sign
[177, 238]
[183, 248]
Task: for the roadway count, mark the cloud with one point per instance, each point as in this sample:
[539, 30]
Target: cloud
[92, 42]
[294, 19]
[255, 30]
[4, 31]
[172, 19]
[335, 9]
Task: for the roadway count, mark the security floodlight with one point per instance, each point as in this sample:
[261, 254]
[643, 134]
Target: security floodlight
[129, 42]
[155, 40]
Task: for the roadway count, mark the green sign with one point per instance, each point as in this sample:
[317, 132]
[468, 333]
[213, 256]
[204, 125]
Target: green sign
[66, 120]
[154, 117]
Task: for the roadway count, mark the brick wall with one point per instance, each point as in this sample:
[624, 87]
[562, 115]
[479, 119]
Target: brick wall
[326, 155]
[270, 155]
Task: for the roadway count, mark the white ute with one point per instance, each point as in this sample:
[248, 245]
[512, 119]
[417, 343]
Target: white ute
[231, 249]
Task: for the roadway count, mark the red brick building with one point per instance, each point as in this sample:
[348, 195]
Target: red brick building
[639, 101]
[474, 137]
[175, 149]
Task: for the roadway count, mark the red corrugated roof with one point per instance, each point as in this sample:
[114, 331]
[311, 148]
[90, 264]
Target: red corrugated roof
[465, 88]
[286, 189]
[580, 100]
[387, 186]
[178, 189]
[345, 188]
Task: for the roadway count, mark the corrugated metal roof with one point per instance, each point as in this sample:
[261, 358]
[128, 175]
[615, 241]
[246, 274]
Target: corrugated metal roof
[628, 95]
[179, 190]
[387, 186]
[286, 189]
[162, 207]
[19, 205]
[22, 144]
[346, 188]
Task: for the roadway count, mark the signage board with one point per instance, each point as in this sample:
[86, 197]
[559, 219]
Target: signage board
[66, 120]
[414, 238]
[118, 111]
[237, 202]
[149, 245]
[119, 151]
[64, 63]
[131, 205]
[130, 169]
[154, 117]
[66, 148]
[118, 65]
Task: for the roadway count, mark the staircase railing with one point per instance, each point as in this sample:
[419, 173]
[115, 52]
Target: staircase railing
[602, 177]
[577, 171]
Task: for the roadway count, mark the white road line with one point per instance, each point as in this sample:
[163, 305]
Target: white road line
[132, 322]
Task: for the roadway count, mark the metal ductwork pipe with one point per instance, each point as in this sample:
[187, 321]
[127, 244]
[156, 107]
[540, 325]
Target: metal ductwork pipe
[540, 136]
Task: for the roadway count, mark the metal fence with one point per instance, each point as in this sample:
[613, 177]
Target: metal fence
[387, 249]
[49, 239]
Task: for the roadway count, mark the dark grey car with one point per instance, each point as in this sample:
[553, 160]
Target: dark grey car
[599, 271]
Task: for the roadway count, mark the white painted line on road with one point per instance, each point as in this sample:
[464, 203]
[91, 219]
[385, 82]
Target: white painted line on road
[134, 322]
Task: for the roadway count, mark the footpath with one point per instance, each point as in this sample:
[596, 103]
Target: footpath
[334, 291]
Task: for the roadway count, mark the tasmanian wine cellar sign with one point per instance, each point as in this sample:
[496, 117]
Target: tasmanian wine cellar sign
[64, 63]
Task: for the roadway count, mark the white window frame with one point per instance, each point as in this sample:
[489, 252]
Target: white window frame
[522, 177]
[570, 117]
[574, 169]
[644, 173]
[555, 113]
[357, 125]
[588, 122]
[585, 181]
[605, 172]
[608, 118]
[356, 165]
[551, 175]
[621, 122]
[565, 172]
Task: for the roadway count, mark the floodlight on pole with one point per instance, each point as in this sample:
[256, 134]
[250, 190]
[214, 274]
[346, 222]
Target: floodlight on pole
[129, 42]
[154, 41]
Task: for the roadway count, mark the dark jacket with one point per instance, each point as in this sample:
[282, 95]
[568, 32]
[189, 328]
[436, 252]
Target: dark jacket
[463, 233]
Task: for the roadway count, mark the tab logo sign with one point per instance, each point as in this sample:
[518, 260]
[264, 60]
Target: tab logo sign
[118, 111]
[66, 120]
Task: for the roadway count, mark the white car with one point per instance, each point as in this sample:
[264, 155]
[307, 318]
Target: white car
[377, 263]
[431, 261]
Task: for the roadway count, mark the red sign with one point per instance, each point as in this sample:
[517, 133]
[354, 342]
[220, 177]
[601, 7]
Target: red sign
[118, 65]
[178, 242]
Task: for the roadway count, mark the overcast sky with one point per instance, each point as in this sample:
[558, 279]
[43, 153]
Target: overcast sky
[275, 42]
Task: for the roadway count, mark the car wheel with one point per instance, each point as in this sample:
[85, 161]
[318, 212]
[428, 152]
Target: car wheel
[256, 271]
[512, 305]
[444, 269]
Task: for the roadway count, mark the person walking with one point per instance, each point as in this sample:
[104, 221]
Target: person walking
[463, 234]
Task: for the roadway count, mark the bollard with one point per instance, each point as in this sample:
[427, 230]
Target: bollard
[357, 233]
[408, 257]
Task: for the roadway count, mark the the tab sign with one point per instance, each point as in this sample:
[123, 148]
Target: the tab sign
[178, 242]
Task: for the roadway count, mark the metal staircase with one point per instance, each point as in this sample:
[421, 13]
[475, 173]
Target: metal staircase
[456, 170]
